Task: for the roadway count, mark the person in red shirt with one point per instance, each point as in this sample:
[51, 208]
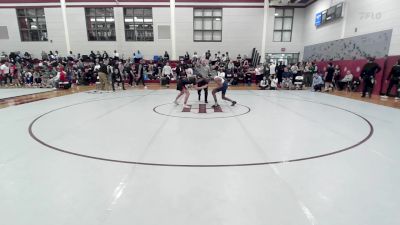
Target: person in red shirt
[62, 75]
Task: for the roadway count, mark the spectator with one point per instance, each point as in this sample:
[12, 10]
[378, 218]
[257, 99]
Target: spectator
[186, 57]
[221, 73]
[274, 82]
[140, 74]
[167, 73]
[138, 57]
[287, 78]
[317, 83]
[263, 84]
[5, 72]
[103, 77]
[115, 55]
[346, 81]
[329, 77]
[308, 75]
[117, 78]
[166, 56]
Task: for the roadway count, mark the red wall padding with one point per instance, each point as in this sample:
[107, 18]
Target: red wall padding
[355, 66]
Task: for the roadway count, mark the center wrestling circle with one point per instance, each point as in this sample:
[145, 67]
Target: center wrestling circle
[177, 113]
[172, 110]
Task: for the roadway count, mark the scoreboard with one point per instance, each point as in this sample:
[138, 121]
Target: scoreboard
[329, 15]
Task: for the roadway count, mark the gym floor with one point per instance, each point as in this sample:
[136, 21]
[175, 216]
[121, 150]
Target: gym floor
[133, 157]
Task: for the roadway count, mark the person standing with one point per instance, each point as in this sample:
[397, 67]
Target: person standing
[294, 69]
[394, 80]
[329, 77]
[5, 71]
[130, 73]
[167, 73]
[117, 78]
[103, 77]
[140, 74]
[202, 82]
[166, 56]
[116, 55]
[183, 86]
[272, 69]
[280, 69]
[368, 76]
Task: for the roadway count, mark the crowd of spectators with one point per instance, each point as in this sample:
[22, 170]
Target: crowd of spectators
[107, 70]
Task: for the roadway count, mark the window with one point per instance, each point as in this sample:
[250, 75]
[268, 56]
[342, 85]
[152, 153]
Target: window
[100, 24]
[283, 25]
[32, 24]
[4, 32]
[285, 58]
[207, 25]
[138, 24]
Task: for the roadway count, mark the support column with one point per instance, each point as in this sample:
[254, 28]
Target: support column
[344, 20]
[173, 47]
[64, 16]
[264, 33]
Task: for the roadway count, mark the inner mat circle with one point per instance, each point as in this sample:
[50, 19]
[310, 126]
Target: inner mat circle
[126, 130]
[172, 110]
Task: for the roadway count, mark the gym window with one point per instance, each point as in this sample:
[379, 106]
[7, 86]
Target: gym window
[32, 24]
[138, 24]
[100, 24]
[207, 25]
[283, 25]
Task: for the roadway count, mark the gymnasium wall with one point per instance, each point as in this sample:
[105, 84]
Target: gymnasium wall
[360, 17]
[55, 29]
[296, 45]
[79, 40]
[240, 32]
[242, 27]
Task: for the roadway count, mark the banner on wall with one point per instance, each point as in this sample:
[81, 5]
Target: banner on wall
[374, 44]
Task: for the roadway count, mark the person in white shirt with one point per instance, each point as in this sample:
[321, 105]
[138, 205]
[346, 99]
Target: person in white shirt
[5, 72]
[272, 69]
[274, 82]
[259, 73]
[346, 79]
[189, 72]
[195, 57]
[56, 55]
[263, 83]
[71, 56]
[294, 70]
[224, 59]
[221, 73]
[167, 73]
[115, 55]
